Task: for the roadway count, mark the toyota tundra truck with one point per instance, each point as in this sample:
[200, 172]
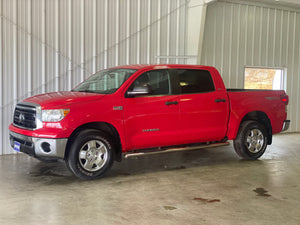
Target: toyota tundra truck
[145, 109]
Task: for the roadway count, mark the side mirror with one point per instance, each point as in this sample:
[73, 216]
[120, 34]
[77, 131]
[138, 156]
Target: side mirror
[139, 90]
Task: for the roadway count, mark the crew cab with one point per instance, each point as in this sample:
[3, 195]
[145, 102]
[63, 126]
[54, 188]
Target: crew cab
[145, 109]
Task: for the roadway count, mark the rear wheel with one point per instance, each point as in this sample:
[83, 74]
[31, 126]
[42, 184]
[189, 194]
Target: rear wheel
[91, 154]
[251, 141]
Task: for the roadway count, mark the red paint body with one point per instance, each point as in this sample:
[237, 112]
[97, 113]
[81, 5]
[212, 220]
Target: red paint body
[196, 117]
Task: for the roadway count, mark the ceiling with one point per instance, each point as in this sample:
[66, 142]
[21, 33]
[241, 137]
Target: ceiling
[290, 3]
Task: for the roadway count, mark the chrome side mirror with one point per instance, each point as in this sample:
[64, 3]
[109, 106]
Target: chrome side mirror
[139, 90]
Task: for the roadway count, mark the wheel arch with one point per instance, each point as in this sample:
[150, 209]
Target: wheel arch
[101, 126]
[263, 119]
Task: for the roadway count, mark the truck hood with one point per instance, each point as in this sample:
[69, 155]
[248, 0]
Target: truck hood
[62, 99]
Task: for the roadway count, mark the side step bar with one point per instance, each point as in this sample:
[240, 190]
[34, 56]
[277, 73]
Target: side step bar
[159, 150]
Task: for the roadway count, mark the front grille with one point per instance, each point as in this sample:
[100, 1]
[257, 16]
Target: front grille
[25, 116]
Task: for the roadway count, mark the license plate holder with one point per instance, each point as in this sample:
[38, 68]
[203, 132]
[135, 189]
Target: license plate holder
[17, 146]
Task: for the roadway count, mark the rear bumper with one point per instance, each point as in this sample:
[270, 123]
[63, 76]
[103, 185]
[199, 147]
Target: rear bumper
[286, 125]
[39, 147]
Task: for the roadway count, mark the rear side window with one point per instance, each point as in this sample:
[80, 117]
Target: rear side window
[194, 81]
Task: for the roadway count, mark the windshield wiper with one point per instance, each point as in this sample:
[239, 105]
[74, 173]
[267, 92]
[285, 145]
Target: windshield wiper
[88, 91]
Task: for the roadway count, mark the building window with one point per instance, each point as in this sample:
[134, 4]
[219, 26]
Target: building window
[264, 78]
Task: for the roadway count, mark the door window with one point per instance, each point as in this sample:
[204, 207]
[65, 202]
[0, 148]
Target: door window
[194, 81]
[157, 80]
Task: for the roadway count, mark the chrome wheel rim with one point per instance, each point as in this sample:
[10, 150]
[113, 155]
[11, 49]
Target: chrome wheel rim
[255, 140]
[93, 155]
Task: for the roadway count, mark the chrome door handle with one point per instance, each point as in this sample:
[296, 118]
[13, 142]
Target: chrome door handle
[220, 100]
[171, 103]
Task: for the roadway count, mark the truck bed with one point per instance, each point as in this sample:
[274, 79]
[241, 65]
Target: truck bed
[246, 90]
[244, 101]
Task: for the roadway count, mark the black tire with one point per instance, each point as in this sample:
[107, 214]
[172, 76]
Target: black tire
[91, 154]
[251, 141]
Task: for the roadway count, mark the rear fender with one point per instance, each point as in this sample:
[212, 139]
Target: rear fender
[259, 116]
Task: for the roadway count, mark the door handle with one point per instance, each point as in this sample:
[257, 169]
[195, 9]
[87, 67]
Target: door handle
[220, 100]
[171, 103]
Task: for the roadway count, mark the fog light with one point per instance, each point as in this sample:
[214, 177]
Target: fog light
[46, 147]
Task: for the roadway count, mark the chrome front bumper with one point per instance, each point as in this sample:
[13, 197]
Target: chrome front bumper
[286, 125]
[38, 147]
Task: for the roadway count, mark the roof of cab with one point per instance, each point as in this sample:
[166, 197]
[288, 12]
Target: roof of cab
[160, 66]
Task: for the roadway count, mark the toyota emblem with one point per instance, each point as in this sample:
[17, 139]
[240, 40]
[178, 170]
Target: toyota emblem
[21, 117]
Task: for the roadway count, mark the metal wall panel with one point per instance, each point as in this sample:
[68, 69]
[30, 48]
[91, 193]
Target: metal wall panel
[52, 45]
[240, 34]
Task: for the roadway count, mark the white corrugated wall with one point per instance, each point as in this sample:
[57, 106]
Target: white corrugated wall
[240, 34]
[52, 45]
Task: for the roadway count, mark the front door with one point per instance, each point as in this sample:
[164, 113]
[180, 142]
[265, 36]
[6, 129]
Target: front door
[152, 120]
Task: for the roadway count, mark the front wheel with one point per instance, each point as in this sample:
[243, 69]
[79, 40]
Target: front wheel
[91, 154]
[251, 141]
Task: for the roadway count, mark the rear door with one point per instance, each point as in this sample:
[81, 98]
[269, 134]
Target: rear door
[203, 110]
[152, 120]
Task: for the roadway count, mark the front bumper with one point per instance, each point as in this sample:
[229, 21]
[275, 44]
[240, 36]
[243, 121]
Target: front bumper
[286, 125]
[39, 147]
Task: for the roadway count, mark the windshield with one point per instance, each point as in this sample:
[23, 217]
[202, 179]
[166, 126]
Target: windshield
[105, 81]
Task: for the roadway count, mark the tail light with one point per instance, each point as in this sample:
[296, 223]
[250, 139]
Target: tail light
[284, 99]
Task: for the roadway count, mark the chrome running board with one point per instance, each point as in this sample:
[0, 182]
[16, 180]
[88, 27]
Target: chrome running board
[160, 150]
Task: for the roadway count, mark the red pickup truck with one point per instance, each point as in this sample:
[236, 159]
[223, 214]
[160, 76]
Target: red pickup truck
[145, 109]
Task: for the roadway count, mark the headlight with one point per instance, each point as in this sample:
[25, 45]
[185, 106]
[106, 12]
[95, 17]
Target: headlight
[54, 115]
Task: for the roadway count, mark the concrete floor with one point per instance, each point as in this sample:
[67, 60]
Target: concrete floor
[208, 186]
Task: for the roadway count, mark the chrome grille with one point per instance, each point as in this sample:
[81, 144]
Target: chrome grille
[25, 116]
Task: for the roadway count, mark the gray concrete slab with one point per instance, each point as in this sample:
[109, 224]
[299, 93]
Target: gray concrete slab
[207, 186]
